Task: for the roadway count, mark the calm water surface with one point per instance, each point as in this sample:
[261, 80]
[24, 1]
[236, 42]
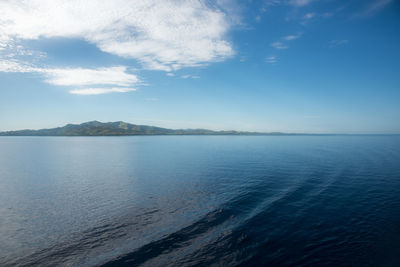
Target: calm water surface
[200, 200]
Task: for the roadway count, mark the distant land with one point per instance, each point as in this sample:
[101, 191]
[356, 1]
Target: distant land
[120, 128]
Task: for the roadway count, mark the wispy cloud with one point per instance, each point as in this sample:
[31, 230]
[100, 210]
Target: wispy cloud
[279, 45]
[268, 3]
[161, 35]
[11, 49]
[13, 65]
[282, 44]
[309, 15]
[271, 59]
[110, 76]
[299, 3]
[335, 43]
[372, 8]
[292, 37]
[98, 91]
[188, 76]
[83, 77]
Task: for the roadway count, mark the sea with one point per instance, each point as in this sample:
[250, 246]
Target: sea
[200, 201]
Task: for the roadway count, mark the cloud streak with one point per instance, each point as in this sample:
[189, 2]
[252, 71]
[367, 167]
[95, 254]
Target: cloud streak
[292, 37]
[271, 59]
[335, 43]
[188, 76]
[309, 16]
[98, 91]
[110, 76]
[282, 44]
[83, 77]
[372, 8]
[299, 3]
[279, 45]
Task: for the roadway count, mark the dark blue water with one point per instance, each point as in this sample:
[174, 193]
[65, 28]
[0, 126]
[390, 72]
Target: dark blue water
[200, 200]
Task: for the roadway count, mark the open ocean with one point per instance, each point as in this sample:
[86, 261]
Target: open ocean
[200, 200]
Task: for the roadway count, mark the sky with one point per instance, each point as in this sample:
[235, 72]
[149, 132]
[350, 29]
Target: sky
[305, 66]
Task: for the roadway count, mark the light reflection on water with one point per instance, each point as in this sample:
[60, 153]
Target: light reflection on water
[159, 200]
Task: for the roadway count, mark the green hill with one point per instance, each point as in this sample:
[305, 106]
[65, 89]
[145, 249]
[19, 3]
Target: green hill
[119, 128]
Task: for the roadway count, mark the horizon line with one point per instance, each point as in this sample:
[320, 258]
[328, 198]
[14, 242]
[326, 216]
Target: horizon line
[243, 132]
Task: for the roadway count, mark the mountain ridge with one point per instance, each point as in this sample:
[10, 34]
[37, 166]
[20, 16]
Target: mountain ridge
[120, 128]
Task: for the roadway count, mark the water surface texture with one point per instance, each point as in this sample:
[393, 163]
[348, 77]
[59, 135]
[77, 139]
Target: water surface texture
[200, 200]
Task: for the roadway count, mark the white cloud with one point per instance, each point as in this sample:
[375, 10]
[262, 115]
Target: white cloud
[98, 91]
[335, 43]
[271, 59]
[187, 76]
[272, 2]
[83, 77]
[13, 65]
[309, 16]
[283, 45]
[292, 37]
[111, 76]
[299, 2]
[279, 45]
[161, 35]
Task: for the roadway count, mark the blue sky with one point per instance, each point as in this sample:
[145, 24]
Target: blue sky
[317, 66]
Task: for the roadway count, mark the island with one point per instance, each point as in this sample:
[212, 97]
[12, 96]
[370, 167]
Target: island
[120, 128]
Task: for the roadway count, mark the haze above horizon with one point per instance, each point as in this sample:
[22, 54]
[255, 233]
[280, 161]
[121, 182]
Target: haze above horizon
[294, 66]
